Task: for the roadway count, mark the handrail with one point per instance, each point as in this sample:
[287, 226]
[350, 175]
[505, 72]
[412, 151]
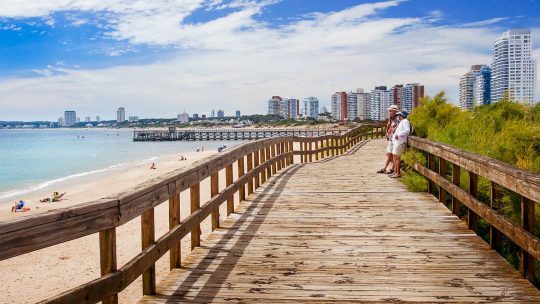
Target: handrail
[264, 158]
[522, 182]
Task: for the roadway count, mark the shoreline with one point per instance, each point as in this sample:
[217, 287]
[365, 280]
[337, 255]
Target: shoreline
[75, 184]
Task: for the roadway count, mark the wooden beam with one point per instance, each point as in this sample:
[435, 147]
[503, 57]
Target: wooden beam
[494, 234]
[249, 168]
[442, 172]
[242, 191]
[317, 149]
[148, 238]
[195, 200]
[214, 190]
[107, 257]
[272, 155]
[528, 222]
[256, 163]
[174, 220]
[228, 181]
[268, 156]
[431, 166]
[456, 180]
[473, 191]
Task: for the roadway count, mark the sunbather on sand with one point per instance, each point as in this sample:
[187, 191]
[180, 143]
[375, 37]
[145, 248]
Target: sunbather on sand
[57, 196]
[19, 207]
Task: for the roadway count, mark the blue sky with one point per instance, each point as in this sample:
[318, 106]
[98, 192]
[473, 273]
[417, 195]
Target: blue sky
[157, 58]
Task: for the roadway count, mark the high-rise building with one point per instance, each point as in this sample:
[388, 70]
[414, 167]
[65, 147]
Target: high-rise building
[60, 121]
[274, 104]
[513, 68]
[87, 119]
[352, 105]
[220, 114]
[379, 101]
[311, 107]
[474, 87]
[294, 108]
[283, 108]
[412, 93]
[98, 119]
[195, 116]
[237, 113]
[78, 120]
[340, 106]
[70, 118]
[183, 118]
[362, 101]
[203, 117]
[482, 86]
[213, 113]
[396, 95]
[466, 89]
[120, 115]
[133, 118]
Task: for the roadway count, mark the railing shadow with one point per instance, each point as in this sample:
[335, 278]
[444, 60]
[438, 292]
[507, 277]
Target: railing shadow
[223, 270]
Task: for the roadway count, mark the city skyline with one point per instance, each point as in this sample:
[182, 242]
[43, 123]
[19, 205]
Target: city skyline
[63, 55]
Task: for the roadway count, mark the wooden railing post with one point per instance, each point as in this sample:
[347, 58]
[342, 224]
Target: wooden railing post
[214, 190]
[442, 172]
[273, 167]
[291, 149]
[195, 199]
[494, 234]
[174, 220]
[327, 153]
[107, 257]
[310, 151]
[249, 168]
[456, 180]
[256, 163]
[278, 152]
[228, 182]
[317, 150]
[431, 166]
[263, 159]
[148, 237]
[283, 151]
[242, 190]
[304, 155]
[527, 265]
[268, 156]
[473, 190]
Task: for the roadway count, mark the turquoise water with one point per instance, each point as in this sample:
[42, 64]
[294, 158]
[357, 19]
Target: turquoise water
[33, 159]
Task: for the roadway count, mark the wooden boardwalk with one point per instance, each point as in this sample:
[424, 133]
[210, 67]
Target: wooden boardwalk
[334, 231]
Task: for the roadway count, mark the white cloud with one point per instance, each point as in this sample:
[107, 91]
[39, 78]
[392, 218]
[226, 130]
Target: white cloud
[238, 62]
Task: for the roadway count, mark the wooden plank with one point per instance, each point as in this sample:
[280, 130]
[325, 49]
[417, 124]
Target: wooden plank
[242, 191]
[442, 172]
[214, 190]
[107, 257]
[250, 187]
[456, 180]
[473, 191]
[255, 165]
[528, 221]
[494, 234]
[174, 220]
[148, 237]
[431, 166]
[195, 200]
[228, 182]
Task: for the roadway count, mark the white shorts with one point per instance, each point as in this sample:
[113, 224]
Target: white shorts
[389, 147]
[398, 149]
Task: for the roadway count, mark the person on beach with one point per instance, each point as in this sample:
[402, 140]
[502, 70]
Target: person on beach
[391, 126]
[153, 166]
[56, 197]
[19, 207]
[400, 136]
[182, 157]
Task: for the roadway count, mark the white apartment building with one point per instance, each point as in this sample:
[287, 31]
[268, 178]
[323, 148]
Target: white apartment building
[466, 89]
[379, 102]
[183, 118]
[513, 67]
[352, 105]
[335, 104]
[311, 107]
[362, 103]
[121, 115]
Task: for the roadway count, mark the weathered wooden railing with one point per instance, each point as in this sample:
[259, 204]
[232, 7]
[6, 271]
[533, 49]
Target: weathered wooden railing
[501, 175]
[263, 158]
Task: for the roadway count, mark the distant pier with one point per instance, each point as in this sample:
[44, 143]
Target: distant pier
[174, 134]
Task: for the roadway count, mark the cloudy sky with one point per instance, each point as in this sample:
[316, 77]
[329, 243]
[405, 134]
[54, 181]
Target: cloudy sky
[157, 58]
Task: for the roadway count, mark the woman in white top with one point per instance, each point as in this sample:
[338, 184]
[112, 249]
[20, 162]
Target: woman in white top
[400, 141]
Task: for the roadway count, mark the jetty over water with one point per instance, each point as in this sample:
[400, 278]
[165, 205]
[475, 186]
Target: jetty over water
[174, 134]
[308, 221]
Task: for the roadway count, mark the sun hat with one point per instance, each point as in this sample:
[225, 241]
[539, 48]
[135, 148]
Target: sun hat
[402, 114]
[393, 108]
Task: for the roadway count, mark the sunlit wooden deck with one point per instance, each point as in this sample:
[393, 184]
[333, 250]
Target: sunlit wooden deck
[334, 231]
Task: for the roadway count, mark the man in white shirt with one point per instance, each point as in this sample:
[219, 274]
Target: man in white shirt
[399, 141]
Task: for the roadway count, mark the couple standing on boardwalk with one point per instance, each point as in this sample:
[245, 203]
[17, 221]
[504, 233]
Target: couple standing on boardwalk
[398, 129]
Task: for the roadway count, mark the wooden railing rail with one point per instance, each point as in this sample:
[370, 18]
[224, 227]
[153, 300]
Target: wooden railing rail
[264, 158]
[502, 175]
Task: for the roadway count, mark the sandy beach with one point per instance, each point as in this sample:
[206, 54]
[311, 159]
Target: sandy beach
[44, 273]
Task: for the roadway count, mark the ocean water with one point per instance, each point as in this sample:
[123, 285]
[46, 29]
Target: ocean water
[33, 159]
